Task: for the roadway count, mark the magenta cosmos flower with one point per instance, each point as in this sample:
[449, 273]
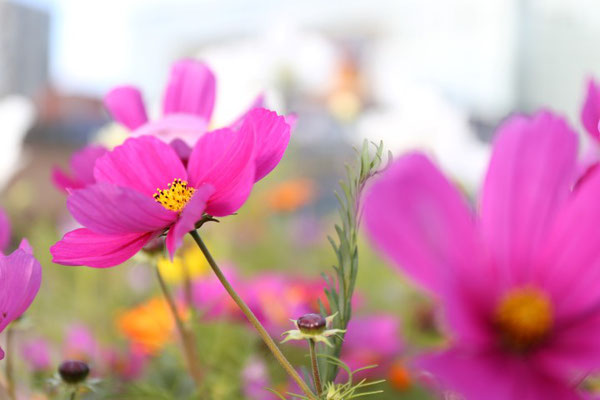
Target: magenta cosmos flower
[519, 279]
[590, 112]
[188, 103]
[82, 169]
[20, 278]
[143, 189]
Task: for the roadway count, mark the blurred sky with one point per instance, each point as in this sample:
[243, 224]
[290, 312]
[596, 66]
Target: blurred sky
[430, 67]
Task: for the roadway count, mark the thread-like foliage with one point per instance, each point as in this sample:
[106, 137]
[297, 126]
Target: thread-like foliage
[340, 286]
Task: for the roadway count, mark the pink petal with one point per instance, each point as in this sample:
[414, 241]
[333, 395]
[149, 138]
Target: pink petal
[63, 181]
[590, 112]
[83, 161]
[191, 90]
[85, 247]
[21, 277]
[258, 102]
[126, 106]
[110, 209]
[225, 160]
[5, 231]
[423, 224]
[272, 137]
[144, 164]
[420, 221]
[191, 214]
[492, 376]
[186, 127]
[568, 266]
[529, 178]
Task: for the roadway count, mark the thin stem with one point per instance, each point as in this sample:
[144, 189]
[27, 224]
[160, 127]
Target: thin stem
[189, 346]
[73, 394]
[10, 381]
[187, 284]
[252, 319]
[315, 366]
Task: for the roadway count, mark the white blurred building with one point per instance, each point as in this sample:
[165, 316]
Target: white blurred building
[23, 49]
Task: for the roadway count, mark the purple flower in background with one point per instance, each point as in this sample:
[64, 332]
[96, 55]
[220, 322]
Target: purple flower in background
[520, 281]
[5, 231]
[21, 277]
[255, 379]
[82, 169]
[36, 352]
[80, 344]
[129, 364]
[188, 103]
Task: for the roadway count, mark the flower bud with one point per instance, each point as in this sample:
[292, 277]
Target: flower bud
[312, 324]
[73, 371]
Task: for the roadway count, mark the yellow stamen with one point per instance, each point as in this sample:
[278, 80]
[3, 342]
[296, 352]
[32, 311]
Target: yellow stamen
[524, 318]
[176, 196]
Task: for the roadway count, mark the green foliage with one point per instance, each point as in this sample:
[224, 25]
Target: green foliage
[340, 287]
[341, 391]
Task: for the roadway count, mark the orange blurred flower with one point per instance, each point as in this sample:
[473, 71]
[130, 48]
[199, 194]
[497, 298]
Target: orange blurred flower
[150, 325]
[290, 195]
[399, 376]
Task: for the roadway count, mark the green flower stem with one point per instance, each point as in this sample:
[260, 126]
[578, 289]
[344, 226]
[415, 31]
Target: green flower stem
[315, 366]
[252, 319]
[187, 340]
[10, 379]
[73, 394]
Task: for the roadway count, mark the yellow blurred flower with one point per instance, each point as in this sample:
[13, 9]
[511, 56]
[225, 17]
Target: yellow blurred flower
[150, 325]
[290, 195]
[191, 260]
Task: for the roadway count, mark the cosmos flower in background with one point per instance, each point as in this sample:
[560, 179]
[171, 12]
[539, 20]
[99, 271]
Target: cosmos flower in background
[372, 340]
[128, 364]
[149, 326]
[36, 353]
[82, 169]
[142, 189]
[290, 195]
[520, 280]
[80, 344]
[190, 261]
[188, 103]
[590, 111]
[277, 298]
[21, 279]
[590, 118]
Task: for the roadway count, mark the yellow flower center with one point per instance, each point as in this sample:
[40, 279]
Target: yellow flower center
[524, 318]
[176, 196]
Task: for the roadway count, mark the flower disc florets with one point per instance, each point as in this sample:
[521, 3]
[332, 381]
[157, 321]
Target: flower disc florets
[313, 327]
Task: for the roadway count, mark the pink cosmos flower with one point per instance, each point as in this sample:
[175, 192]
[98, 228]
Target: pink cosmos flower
[128, 364]
[188, 103]
[519, 279]
[80, 344]
[5, 231]
[143, 189]
[82, 169]
[372, 340]
[36, 352]
[590, 112]
[21, 277]
[277, 298]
